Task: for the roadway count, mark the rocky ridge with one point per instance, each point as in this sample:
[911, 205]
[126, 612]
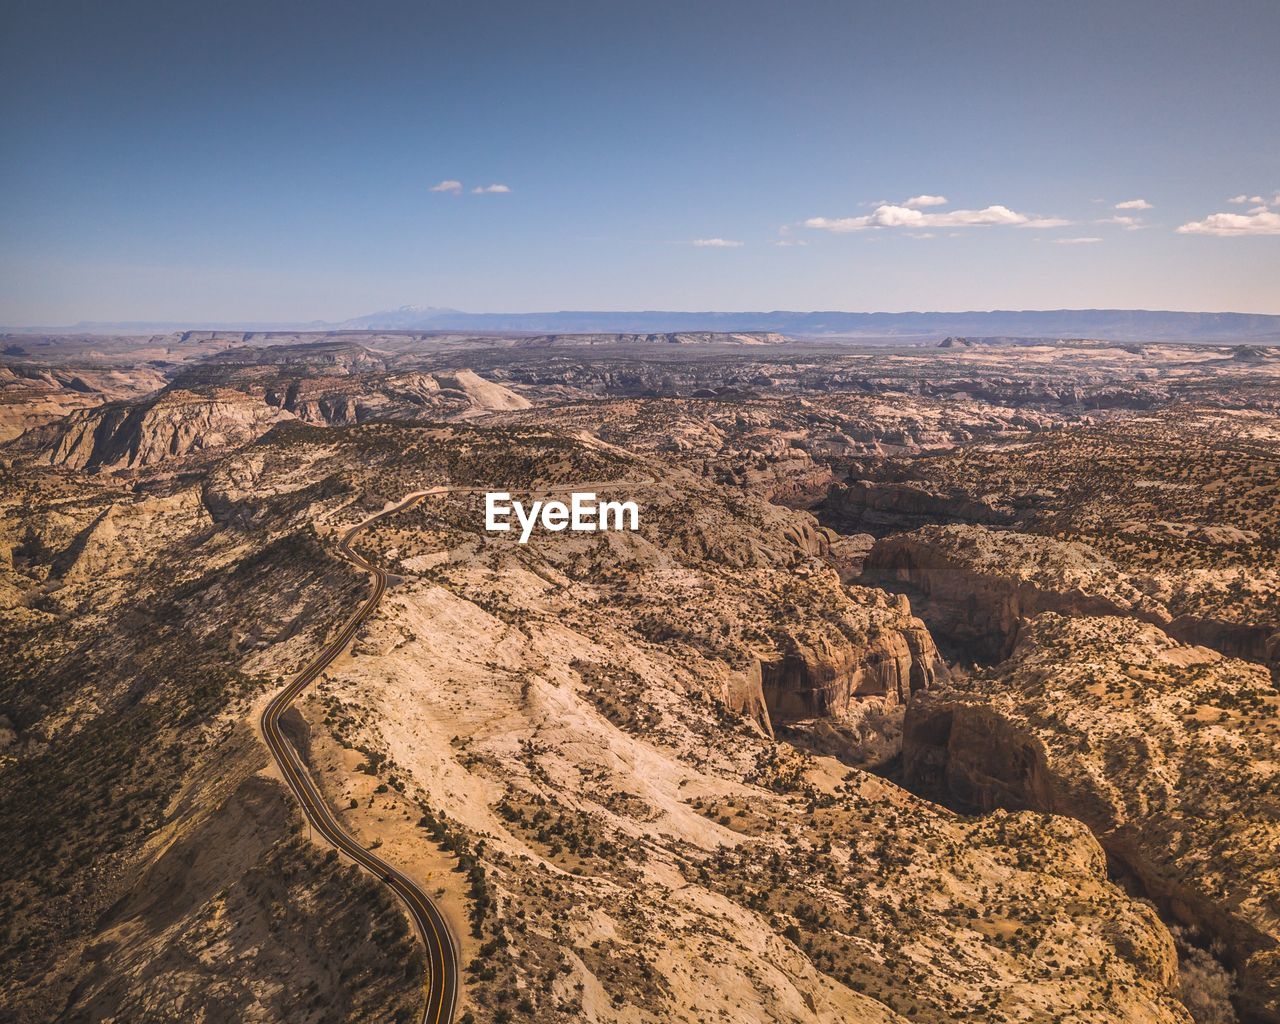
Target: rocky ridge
[32, 395]
[172, 425]
[979, 585]
[179, 422]
[976, 586]
[1166, 751]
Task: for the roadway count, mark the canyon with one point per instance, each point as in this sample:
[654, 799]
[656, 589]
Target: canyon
[933, 682]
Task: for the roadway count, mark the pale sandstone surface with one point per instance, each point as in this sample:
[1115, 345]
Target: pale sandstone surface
[578, 725]
[1167, 752]
[593, 731]
[180, 421]
[31, 396]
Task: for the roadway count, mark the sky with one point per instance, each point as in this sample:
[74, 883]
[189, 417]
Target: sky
[286, 161]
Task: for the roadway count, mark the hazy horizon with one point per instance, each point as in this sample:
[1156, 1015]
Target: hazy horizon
[318, 324]
[1120, 326]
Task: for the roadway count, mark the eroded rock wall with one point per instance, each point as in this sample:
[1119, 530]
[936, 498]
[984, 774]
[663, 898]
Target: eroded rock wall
[1164, 750]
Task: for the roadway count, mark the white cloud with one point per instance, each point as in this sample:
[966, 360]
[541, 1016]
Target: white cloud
[481, 190]
[448, 185]
[1134, 204]
[1258, 221]
[1078, 241]
[915, 202]
[716, 243]
[889, 216]
[1126, 222]
[1242, 199]
[788, 243]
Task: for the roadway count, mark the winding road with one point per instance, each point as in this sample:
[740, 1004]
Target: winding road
[442, 955]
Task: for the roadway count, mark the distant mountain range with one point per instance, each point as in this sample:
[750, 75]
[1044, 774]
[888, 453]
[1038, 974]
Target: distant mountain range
[1119, 324]
[1112, 324]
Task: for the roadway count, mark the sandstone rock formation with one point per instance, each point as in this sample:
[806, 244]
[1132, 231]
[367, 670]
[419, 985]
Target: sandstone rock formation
[1166, 751]
[817, 678]
[976, 585]
[845, 698]
[31, 395]
[1181, 502]
[174, 424]
[413, 395]
[877, 507]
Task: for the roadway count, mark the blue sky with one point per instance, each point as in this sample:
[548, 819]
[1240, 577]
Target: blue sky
[274, 161]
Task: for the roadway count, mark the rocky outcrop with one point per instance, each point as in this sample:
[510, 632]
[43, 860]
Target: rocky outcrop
[879, 508]
[796, 481]
[31, 396]
[1166, 752]
[824, 679]
[131, 436]
[482, 395]
[975, 586]
[337, 401]
[845, 697]
[843, 553]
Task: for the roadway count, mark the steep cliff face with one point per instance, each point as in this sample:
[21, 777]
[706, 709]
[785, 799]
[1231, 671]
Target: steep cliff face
[31, 396]
[1166, 751]
[825, 678]
[845, 696]
[1258, 642]
[975, 585]
[174, 424]
[881, 508]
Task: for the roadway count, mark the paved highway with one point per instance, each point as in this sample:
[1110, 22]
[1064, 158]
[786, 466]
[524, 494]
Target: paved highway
[442, 956]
